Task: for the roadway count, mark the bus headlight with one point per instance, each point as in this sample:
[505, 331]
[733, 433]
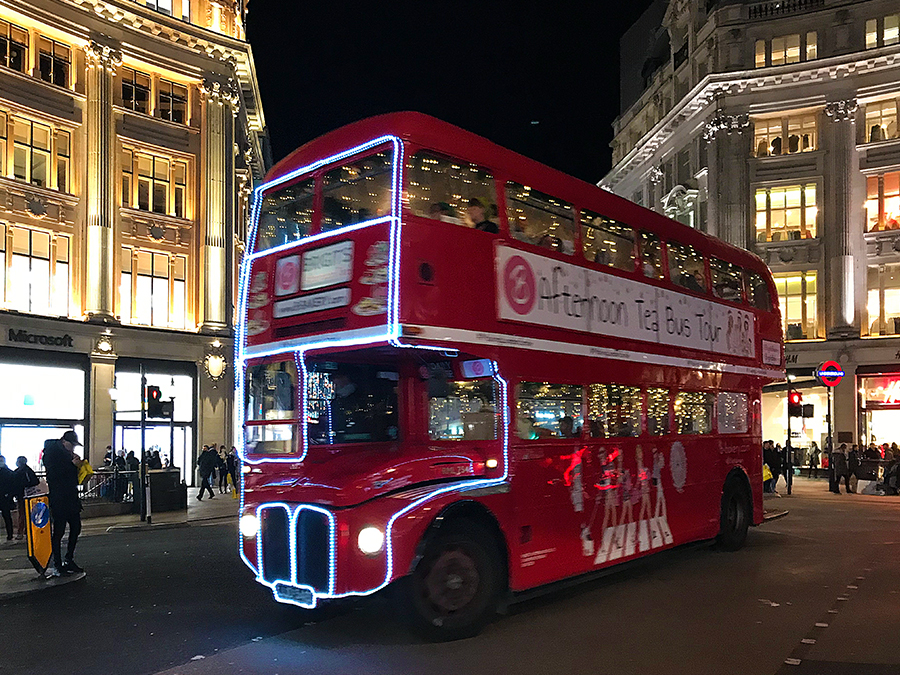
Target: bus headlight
[249, 525]
[370, 540]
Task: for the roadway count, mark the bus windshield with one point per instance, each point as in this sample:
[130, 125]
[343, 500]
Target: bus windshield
[351, 403]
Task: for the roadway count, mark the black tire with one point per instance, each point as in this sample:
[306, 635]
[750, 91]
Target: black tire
[454, 588]
[735, 517]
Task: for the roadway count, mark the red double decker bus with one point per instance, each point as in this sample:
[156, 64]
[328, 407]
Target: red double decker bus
[466, 374]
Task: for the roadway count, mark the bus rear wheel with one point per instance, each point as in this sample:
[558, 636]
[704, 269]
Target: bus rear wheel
[735, 516]
[453, 590]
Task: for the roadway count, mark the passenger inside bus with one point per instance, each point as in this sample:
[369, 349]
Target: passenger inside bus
[477, 214]
[567, 428]
[443, 211]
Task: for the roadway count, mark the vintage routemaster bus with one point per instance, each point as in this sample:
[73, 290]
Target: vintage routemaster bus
[466, 374]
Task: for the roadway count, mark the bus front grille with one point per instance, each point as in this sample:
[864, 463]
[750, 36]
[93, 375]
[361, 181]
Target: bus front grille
[313, 549]
[276, 544]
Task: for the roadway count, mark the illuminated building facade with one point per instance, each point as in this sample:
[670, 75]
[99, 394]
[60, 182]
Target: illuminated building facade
[774, 125]
[130, 137]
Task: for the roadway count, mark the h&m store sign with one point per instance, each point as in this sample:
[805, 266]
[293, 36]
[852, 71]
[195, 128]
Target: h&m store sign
[20, 337]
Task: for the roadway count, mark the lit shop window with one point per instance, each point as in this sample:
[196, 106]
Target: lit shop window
[538, 218]
[542, 409]
[732, 412]
[883, 202]
[607, 241]
[785, 213]
[153, 183]
[693, 412]
[136, 90]
[883, 303]
[769, 135]
[152, 292]
[797, 297]
[54, 59]
[13, 46]
[38, 276]
[614, 410]
[172, 101]
[357, 192]
[883, 32]
[465, 411]
[440, 188]
[881, 121]
[36, 149]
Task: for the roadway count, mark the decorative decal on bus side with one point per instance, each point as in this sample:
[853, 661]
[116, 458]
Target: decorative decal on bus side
[376, 276]
[539, 290]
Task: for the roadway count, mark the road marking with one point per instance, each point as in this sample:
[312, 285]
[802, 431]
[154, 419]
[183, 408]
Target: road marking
[792, 662]
[808, 641]
[821, 625]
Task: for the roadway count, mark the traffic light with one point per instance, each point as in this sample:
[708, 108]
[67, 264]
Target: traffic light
[156, 407]
[795, 404]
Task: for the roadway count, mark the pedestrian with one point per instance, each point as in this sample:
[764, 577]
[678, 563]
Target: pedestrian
[232, 463]
[853, 466]
[222, 468]
[773, 459]
[61, 464]
[26, 478]
[7, 490]
[155, 461]
[206, 464]
[840, 468]
[814, 454]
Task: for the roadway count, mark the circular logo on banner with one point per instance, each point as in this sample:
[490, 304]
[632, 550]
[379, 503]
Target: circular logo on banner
[478, 369]
[40, 514]
[287, 275]
[520, 286]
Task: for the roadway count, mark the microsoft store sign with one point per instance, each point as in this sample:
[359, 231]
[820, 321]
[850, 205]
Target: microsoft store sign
[23, 337]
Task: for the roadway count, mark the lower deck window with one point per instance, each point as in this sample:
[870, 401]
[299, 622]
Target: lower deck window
[545, 410]
[693, 412]
[466, 412]
[732, 412]
[614, 410]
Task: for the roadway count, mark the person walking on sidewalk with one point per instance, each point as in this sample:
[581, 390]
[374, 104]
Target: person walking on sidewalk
[222, 468]
[232, 464]
[206, 464]
[814, 454]
[7, 490]
[841, 470]
[26, 478]
[61, 464]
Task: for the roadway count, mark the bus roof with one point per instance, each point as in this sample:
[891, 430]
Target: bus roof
[429, 132]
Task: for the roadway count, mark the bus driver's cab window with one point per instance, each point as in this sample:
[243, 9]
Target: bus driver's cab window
[271, 407]
[443, 189]
[545, 410]
[463, 410]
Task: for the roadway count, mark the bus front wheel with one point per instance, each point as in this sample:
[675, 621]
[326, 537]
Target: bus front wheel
[453, 590]
[735, 516]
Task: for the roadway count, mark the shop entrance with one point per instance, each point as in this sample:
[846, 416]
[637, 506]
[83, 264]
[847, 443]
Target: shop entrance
[160, 437]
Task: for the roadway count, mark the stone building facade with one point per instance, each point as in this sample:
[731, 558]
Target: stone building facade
[774, 125]
[130, 137]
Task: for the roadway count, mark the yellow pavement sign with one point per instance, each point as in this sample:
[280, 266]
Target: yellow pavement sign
[40, 546]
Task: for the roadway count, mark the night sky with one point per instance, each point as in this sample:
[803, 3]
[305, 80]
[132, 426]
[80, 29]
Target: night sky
[531, 75]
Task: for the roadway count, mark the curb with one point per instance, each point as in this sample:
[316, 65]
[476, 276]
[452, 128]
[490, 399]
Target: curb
[165, 526]
[40, 584]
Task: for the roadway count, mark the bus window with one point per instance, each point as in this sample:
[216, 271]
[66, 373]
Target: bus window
[607, 242]
[686, 267]
[548, 410]
[441, 188]
[286, 215]
[270, 398]
[357, 192]
[731, 415]
[351, 403]
[537, 218]
[726, 280]
[757, 291]
[466, 413]
[651, 255]
[614, 410]
[658, 411]
[693, 412]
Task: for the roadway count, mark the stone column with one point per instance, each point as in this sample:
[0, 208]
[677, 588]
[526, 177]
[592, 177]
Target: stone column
[729, 178]
[103, 378]
[837, 224]
[217, 174]
[100, 192]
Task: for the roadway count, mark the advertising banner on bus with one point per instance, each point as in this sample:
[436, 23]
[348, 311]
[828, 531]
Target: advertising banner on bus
[538, 290]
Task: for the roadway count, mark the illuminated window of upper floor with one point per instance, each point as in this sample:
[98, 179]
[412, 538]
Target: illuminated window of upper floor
[786, 49]
[784, 135]
[35, 153]
[881, 121]
[883, 32]
[35, 275]
[154, 183]
[883, 302]
[883, 202]
[136, 90]
[54, 61]
[13, 46]
[785, 213]
[798, 298]
[152, 291]
[172, 101]
[164, 6]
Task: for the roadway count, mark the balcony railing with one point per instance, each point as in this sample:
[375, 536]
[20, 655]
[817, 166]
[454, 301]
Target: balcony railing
[765, 10]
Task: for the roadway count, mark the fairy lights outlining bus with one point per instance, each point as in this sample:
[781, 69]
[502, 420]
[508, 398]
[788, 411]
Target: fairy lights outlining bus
[466, 374]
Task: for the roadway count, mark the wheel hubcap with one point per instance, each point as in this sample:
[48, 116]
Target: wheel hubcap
[452, 581]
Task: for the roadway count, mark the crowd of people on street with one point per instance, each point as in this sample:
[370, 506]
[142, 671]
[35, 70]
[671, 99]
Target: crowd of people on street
[212, 463]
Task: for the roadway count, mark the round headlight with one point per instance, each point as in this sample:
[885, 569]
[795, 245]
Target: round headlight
[370, 540]
[249, 525]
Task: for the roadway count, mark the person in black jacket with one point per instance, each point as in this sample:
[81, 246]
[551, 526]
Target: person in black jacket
[61, 464]
[206, 464]
[222, 468]
[25, 478]
[7, 490]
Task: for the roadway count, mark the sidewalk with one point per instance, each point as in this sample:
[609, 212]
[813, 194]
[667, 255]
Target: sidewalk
[18, 577]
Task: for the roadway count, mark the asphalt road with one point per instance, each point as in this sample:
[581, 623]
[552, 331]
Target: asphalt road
[815, 592]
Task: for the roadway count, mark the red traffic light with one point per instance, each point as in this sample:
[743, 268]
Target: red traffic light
[795, 398]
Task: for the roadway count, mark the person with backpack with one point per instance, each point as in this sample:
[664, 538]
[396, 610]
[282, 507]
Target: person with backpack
[26, 478]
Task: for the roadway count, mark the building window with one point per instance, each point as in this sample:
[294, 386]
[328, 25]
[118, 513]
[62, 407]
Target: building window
[136, 90]
[797, 297]
[812, 46]
[784, 213]
[161, 184]
[760, 61]
[883, 32]
[13, 46]
[63, 159]
[36, 285]
[3, 140]
[883, 303]
[153, 288]
[881, 121]
[883, 202]
[787, 49]
[31, 152]
[172, 101]
[53, 61]
[769, 135]
[163, 6]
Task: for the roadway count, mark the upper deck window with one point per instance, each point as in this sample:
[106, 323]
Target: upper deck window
[538, 218]
[686, 267]
[726, 280]
[651, 255]
[758, 291]
[286, 215]
[607, 242]
[356, 192]
[441, 188]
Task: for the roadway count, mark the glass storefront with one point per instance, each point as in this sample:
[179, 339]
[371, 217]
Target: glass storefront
[880, 408]
[804, 430]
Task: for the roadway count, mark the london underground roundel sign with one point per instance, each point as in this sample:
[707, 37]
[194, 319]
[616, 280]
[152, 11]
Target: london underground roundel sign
[830, 373]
